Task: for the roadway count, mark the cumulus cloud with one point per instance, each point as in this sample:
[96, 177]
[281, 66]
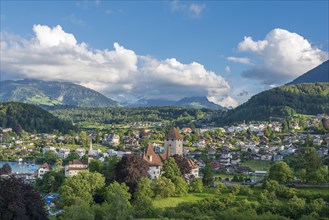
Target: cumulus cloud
[282, 56]
[54, 54]
[193, 9]
[227, 101]
[242, 60]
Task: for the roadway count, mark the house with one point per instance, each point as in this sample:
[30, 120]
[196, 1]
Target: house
[111, 139]
[266, 157]
[200, 144]
[317, 141]
[48, 148]
[277, 157]
[63, 152]
[42, 170]
[80, 151]
[155, 162]
[225, 157]
[235, 160]
[186, 131]
[194, 170]
[215, 165]
[112, 152]
[323, 151]
[244, 170]
[74, 167]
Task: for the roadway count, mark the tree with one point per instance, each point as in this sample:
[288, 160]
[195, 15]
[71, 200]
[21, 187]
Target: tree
[181, 186]
[131, 169]
[58, 164]
[109, 170]
[220, 187]
[170, 169]
[208, 176]
[310, 163]
[281, 172]
[142, 203]
[81, 211]
[163, 187]
[144, 188]
[72, 156]
[18, 129]
[117, 199]
[50, 157]
[196, 185]
[81, 187]
[5, 169]
[95, 166]
[20, 201]
[183, 164]
[50, 182]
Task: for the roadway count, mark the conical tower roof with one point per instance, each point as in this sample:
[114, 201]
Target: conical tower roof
[174, 134]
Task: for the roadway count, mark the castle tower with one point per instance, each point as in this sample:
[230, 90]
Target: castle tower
[174, 141]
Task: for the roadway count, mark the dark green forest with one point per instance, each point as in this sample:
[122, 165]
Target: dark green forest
[179, 115]
[281, 102]
[30, 118]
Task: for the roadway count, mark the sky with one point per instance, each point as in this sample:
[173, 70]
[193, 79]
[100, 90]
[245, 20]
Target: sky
[131, 50]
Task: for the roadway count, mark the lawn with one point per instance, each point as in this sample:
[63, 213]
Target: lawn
[257, 164]
[174, 201]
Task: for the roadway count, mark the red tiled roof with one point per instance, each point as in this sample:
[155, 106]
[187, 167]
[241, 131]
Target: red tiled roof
[191, 164]
[76, 162]
[46, 165]
[149, 153]
[173, 134]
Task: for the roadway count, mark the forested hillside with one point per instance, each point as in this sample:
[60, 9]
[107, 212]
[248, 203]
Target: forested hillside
[307, 98]
[179, 115]
[30, 118]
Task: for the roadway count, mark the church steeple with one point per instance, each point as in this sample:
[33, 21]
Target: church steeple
[91, 150]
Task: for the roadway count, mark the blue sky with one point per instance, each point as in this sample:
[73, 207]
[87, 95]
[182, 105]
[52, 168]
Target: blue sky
[225, 50]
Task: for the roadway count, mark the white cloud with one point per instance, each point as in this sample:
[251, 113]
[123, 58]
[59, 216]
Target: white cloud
[197, 9]
[242, 60]
[193, 9]
[228, 101]
[56, 55]
[53, 36]
[282, 55]
[227, 69]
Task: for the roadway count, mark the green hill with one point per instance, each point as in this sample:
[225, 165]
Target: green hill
[52, 93]
[30, 118]
[307, 98]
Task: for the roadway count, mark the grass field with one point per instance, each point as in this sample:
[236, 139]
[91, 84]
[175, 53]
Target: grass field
[257, 164]
[174, 201]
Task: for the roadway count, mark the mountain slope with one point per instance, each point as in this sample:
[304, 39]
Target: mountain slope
[318, 74]
[31, 118]
[52, 93]
[187, 102]
[197, 102]
[307, 98]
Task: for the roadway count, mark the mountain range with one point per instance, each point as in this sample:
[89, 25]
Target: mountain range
[52, 93]
[187, 102]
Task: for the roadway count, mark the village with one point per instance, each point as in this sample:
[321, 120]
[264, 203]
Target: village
[227, 150]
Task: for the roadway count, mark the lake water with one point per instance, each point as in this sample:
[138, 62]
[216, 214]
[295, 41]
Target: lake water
[21, 167]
